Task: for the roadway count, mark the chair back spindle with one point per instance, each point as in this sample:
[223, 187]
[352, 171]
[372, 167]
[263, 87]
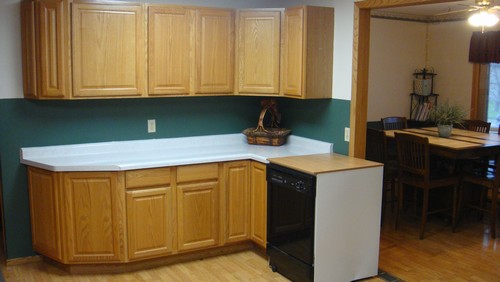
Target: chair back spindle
[476, 125]
[413, 154]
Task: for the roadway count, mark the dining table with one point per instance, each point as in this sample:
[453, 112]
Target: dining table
[461, 144]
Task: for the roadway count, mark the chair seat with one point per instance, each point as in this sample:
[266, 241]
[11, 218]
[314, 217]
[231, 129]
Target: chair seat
[480, 178]
[434, 183]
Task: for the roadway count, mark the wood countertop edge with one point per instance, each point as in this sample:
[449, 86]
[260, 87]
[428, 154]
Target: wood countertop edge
[323, 163]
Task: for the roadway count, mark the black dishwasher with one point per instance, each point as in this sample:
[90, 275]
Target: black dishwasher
[290, 222]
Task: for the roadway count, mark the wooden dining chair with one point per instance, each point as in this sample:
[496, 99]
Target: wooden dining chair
[476, 125]
[415, 171]
[391, 123]
[489, 183]
[376, 150]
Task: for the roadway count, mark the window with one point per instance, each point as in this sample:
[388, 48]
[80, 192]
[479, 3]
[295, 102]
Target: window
[493, 91]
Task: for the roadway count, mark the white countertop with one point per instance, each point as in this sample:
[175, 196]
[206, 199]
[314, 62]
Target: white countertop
[128, 155]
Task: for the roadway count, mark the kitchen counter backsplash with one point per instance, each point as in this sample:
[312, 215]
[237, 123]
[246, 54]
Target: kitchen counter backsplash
[138, 154]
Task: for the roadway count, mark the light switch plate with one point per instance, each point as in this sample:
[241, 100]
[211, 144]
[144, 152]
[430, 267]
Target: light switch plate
[347, 133]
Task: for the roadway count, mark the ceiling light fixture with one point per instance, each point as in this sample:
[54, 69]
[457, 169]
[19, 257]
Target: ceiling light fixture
[483, 19]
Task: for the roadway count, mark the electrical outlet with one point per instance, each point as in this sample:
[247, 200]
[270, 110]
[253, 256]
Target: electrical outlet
[151, 125]
[347, 134]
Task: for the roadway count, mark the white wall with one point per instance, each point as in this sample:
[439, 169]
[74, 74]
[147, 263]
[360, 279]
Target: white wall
[449, 54]
[10, 50]
[10, 45]
[397, 48]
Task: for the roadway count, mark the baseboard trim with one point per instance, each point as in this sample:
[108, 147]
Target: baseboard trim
[24, 260]
[114, 268]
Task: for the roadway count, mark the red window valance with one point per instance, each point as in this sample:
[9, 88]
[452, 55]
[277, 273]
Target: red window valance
[485, 47]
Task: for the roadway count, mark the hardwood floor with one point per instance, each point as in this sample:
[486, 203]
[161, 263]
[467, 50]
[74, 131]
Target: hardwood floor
[243, 266]
[467, 255]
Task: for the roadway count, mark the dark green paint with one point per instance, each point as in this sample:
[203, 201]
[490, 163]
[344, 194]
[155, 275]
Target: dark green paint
[26, 123]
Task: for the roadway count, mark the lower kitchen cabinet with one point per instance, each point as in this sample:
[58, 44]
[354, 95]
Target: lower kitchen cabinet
[150, 213]
[197, 206]
[150, 227]
[45, 205]
[94, 217]
[117, 217]
[237, 201]
[258, 203]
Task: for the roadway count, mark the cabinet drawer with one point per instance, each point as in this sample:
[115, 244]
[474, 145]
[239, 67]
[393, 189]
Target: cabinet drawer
[197, 172]
[147, 177]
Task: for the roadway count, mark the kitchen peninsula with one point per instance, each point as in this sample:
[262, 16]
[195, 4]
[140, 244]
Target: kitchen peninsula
[132, 202]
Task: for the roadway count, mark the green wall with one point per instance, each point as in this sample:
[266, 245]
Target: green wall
[26, 123]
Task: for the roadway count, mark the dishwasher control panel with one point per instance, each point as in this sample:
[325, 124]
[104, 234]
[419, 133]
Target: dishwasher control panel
[291, 179]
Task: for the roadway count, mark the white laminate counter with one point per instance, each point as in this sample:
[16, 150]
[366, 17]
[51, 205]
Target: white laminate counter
[128, 155]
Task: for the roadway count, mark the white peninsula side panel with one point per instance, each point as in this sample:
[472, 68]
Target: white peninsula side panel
[347, 234]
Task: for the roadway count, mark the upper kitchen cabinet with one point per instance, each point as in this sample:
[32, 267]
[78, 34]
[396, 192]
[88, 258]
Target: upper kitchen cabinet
[214, 51]
[190, 50]
[170, 50]
[46, 49]
[108, 50]
[258, 51]
[308, 52]
[85, 49]
[82, 49]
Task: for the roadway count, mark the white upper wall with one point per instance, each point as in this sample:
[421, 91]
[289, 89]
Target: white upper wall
[10, 45]
[397, 48]
[449, 55]
[11, 80]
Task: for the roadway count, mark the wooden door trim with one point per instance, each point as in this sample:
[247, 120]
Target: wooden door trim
[361, 51]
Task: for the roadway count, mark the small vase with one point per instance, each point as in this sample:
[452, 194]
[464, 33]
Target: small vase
[444, 130]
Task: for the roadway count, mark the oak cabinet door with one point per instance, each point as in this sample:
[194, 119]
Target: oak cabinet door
[237, 201]
[108, 50]
[170, 50]
[308, 52]
[150, 222]
[46, 49]
[198, 215]
[95, 216]
[214, 51]
[45, 213]
[197, 206]
[258, 203]
[293, 52]
[258, 47]
[28, 38]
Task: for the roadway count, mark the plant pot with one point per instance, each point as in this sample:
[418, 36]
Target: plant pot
[444, 130]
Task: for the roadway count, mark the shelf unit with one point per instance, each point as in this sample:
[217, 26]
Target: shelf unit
[417, 104]
[423, 98]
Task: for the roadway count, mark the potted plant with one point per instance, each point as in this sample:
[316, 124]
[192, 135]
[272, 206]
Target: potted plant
[445, 115]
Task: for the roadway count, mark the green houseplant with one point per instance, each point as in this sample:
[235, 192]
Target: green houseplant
[445, 115]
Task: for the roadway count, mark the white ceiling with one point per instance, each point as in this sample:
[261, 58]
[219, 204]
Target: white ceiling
[430, 10]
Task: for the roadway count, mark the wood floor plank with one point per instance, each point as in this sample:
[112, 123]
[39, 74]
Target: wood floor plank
[467, 255]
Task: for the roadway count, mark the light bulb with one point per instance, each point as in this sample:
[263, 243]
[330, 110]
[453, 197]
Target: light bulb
[483, 19]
